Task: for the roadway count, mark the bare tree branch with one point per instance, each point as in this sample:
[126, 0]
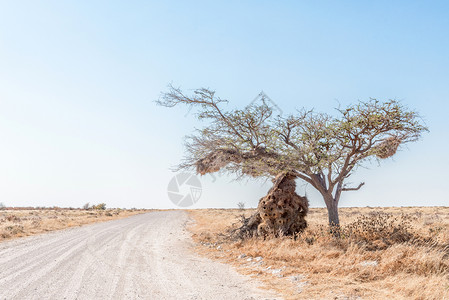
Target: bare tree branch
[353, 189]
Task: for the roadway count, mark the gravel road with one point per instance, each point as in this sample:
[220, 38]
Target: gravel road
[145, 256]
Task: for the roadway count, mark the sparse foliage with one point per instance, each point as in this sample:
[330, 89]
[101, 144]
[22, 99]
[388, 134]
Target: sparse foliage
[101, 206]
[321, 149]
[241, 205]
[86, 206]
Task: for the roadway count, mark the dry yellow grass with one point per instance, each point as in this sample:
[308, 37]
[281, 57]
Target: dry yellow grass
[317, 266]
[24, 222]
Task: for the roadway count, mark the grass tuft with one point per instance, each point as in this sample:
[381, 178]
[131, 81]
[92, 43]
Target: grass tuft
[381, 253]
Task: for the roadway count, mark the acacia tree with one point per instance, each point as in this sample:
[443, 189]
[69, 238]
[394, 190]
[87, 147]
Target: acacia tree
[321, 149]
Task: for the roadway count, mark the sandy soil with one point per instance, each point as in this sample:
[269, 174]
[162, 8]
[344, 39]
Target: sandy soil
[145, 256]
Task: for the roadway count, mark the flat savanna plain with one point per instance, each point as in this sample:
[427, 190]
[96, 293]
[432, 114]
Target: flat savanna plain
[396, 253]
[19, 222]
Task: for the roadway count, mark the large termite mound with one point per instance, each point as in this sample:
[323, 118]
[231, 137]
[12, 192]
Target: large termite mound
[280, 212]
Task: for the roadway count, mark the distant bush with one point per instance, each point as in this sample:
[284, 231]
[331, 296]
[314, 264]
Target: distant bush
[36, 223]
[86, 206]
[13, 218]
[372, 232]
[101, 206]
[2, 206]
[241, 205]
[380, 230]
[14, 229]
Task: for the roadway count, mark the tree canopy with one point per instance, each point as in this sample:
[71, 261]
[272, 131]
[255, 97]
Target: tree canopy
[319, 148]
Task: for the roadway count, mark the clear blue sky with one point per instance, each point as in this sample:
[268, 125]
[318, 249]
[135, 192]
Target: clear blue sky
[78, 79]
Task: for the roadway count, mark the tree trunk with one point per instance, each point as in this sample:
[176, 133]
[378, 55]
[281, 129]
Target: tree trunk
[332, 210]
[281, 211]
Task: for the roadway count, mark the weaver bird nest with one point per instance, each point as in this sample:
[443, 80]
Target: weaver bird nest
[388, 147]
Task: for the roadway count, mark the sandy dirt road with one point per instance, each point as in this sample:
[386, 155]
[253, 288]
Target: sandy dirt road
[146, 256]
